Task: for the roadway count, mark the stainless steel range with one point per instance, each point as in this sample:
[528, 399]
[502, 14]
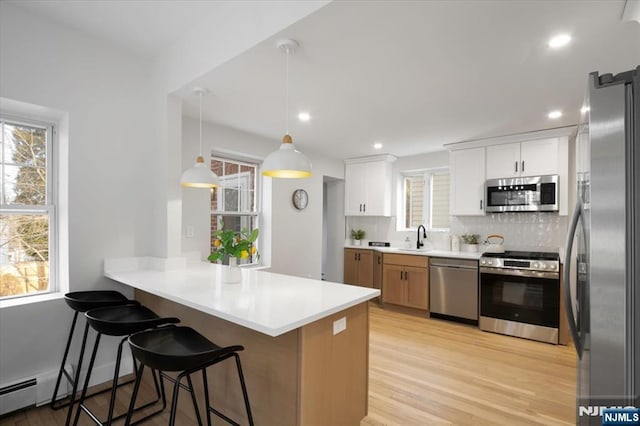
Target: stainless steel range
[520, 294]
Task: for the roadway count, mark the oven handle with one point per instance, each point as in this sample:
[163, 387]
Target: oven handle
[520, 273]
[566, 287]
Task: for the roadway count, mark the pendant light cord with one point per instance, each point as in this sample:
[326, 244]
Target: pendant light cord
[286, 90]
[200, 124]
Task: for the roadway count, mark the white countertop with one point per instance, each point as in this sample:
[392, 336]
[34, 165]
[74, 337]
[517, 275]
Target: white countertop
[426, 252]
[270, 303]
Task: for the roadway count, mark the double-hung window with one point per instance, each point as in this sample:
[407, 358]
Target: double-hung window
[27, 208]
[426, 199]
[234, 204]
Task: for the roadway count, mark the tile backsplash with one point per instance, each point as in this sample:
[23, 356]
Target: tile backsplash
[521, 231]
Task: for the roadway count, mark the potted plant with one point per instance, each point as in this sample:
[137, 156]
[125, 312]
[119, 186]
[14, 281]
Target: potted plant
[357, 235]
[232, 245]
[470, 242]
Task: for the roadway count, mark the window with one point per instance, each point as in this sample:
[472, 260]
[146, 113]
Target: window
[234, 203]
[27, 208]
[426, 200]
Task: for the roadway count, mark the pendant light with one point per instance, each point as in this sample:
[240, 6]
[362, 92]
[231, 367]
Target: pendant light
[199, 176]
[287, 162]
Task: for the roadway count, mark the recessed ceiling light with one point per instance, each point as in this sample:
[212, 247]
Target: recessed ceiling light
[559, 40]
[555, 114]
[304, 116]
[585, 109]
[377, 145]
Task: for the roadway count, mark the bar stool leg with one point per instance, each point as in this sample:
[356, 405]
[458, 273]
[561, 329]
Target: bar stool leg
[193, 399]
[244, 389]
[174, 400]
[136, 387]
[86, 382]
[206, 395]
[77, 375]
[62, 367]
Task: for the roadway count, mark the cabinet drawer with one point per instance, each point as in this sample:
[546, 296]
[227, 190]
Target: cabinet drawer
[406, 260]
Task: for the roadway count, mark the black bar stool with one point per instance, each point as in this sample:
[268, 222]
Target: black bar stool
[119, 321]
[81, 301]
[182, 349]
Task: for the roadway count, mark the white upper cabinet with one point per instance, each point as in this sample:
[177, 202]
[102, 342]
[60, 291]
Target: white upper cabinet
[368, 186]
[467, 171]
[530, 158]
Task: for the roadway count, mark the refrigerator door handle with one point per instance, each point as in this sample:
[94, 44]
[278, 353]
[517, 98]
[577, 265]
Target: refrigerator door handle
[566, 282]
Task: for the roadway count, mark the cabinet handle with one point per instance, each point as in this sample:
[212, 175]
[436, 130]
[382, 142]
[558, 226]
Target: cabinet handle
[480, 204]
[522, 166]
[364, 208]
[516, 167]
[355, 256]
[378, 260]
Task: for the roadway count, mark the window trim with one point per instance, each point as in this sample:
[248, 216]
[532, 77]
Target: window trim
[50, 206]
[427, 175]
[255, 213]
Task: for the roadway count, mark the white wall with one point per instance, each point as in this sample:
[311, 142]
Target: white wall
[106, 95]
[296, 247]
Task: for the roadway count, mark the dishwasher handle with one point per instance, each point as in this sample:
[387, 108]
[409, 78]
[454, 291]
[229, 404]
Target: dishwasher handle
[454, 263]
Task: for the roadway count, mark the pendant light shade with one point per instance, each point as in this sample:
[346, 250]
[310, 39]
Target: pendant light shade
[199, 176]
[287, 161]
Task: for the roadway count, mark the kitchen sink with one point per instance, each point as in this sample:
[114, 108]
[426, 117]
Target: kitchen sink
[415, 250]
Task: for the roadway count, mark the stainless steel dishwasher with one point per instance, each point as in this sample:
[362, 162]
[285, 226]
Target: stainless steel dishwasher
[453, 289]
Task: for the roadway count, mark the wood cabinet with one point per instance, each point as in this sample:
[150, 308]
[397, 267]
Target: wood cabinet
[530, 158]
[467, 171]
[377, 270]
[405, 280]
[368, 186]
[358, 267]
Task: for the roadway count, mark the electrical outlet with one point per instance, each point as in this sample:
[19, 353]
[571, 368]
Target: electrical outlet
[339, 325]
[190, 232]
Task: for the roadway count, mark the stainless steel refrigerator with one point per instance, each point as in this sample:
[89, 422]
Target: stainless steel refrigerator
[601, 275]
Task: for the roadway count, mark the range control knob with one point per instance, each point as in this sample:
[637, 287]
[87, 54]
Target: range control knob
[552, 266]
[543, 266]
[535, 265]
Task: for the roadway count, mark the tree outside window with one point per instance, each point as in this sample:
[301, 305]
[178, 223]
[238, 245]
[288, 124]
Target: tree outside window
[25, 210]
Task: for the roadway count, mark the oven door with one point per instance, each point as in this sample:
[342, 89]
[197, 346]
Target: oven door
[520, 296]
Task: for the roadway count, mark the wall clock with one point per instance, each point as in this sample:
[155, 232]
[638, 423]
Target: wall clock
[300, 199]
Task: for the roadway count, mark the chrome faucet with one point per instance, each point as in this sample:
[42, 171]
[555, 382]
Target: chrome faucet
[424, 235]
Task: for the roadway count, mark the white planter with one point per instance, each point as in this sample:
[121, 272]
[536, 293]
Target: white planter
[231, 274]
[357, 242]
[472, 248]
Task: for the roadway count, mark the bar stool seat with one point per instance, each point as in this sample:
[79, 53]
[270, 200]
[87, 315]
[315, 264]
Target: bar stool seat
[122, 320]
[81, 301]
[183, 349]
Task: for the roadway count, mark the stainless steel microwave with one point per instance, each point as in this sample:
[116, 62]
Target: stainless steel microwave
[522, 194]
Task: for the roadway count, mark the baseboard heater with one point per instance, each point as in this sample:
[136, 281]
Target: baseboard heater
[18, 395]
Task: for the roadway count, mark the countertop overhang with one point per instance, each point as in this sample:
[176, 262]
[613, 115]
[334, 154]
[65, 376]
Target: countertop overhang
[267, 302]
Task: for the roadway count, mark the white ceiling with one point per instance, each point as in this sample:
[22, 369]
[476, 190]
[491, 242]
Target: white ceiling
[413, 75]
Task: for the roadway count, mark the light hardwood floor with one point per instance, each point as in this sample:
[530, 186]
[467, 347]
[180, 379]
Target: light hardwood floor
[431, 372]
[426, 372]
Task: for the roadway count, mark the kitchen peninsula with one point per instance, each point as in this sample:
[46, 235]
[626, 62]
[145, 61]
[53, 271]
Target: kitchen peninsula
[306, 341]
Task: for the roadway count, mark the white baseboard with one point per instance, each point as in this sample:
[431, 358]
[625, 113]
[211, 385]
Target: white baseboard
[23, 393]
